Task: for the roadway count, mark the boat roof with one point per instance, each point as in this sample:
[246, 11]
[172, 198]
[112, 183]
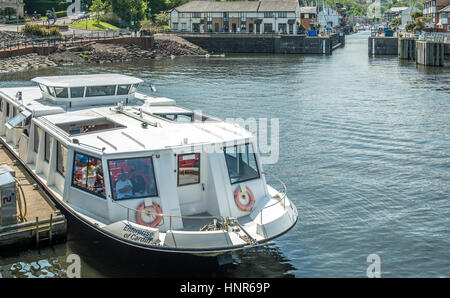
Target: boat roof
[132, 136]
[87, 80]
[128, 134]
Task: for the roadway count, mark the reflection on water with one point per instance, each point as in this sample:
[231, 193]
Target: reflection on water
[364, 153]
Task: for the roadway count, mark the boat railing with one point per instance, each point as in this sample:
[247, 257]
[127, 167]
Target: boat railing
[280, 197]
[208, 221]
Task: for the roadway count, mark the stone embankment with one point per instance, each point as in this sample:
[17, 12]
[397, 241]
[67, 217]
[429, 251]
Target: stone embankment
[95, 52]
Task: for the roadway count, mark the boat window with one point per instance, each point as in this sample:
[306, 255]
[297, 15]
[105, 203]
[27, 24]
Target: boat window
[51, 91]
[100, 91]
[134, 88]
[42, 87]
[178, 117]
[1, 105]
[61, 92]
[76, 92]
[47, 144]
[17, 120]
[88, 174]
[132, 178]
[37, 132]
[61, 158]
[241, 163]
[123, 89]
[188, 169]
[7, 109]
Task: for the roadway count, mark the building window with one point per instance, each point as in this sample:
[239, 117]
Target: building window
[268, 28]
[88, 174]
[175, 26]
[282, 14]
[61, 158]
[243, 16]
[183, 26]
[47, 145]
[76, 92]
[241, 163]
[209, 27]
[195, 14]
[188, 169]
[282, 28]
[268, 14]
[37, 132]
[209, 16]
[225, 16]
[132, 178]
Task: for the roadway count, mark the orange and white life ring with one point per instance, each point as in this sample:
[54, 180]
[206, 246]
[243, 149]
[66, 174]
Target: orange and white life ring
[148, 216]
[245, 200]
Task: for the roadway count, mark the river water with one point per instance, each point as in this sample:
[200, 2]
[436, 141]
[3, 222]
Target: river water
[364, 150]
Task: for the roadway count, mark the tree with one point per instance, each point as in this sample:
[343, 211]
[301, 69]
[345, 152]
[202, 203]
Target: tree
[162, 19]
[416, 14]
[130, 10]
[97, 8]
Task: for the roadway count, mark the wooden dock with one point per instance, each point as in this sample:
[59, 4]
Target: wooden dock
[39, 221]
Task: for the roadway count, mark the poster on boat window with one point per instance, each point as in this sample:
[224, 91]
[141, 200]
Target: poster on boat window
[136, 233]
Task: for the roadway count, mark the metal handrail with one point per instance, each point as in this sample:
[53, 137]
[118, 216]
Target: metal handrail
[283, 199]
[219, 217]
[169, 215]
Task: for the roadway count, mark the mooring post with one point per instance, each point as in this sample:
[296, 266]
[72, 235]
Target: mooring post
[37, 231]
[50, 231]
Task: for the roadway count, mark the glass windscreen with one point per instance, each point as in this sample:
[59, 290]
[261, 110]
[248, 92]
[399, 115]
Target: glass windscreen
[241, 163]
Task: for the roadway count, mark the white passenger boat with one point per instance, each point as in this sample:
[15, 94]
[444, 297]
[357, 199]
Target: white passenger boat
[141, 170]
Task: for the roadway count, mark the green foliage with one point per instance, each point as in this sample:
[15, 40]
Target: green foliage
[416, 14]
[130, 10]
[41, 6]
[20, 21]
[395, 23]
[162, 19]
[97, 8]
[39, 30]
[410, 26]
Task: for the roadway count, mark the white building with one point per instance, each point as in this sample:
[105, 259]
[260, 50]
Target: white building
[328, 17]
[265, 16]
[406, 15]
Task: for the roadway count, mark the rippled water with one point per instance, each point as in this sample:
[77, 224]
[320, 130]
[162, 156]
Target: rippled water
[364, 152]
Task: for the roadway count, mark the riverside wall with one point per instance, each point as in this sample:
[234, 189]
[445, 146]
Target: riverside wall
[264, 43]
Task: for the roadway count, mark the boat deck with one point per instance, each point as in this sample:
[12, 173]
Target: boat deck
[39, 209]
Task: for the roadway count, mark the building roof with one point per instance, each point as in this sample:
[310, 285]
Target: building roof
[212, 6]
[87, 80]
[271, 5]
[445, 9]
[396, 9]
[238, 6]
[308, 9]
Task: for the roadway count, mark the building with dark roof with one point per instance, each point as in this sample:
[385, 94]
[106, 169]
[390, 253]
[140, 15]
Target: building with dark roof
[264, 16]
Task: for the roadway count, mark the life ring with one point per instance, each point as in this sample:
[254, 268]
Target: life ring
[148, 216]
[245, 200]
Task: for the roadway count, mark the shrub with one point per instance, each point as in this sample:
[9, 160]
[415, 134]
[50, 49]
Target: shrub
[39, 30]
